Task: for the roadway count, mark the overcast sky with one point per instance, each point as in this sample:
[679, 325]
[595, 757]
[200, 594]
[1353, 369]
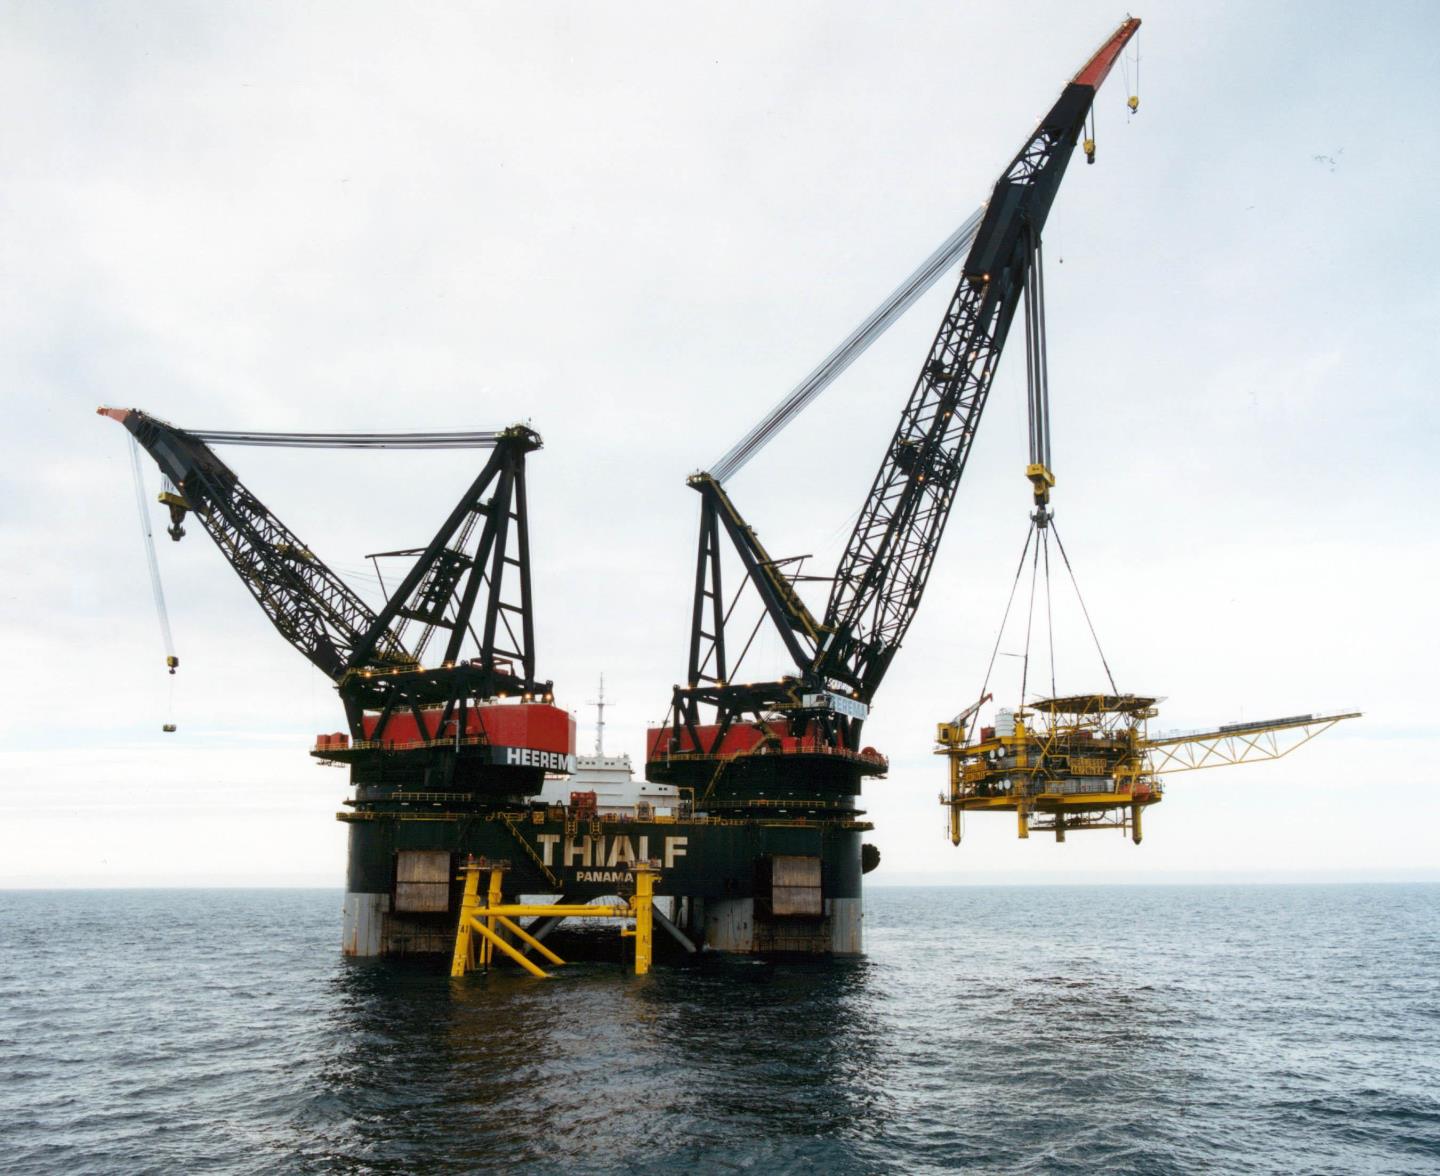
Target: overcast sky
[636, 226]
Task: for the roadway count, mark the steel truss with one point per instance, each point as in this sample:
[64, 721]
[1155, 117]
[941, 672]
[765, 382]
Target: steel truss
[1237, 744]
[481, 552]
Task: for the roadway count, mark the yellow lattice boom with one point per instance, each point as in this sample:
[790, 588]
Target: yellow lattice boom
[1238, 743]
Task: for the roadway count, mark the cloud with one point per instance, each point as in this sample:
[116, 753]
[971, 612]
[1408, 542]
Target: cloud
[639, 233]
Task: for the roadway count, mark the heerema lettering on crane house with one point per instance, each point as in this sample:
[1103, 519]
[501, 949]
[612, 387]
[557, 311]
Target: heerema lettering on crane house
[451, 732]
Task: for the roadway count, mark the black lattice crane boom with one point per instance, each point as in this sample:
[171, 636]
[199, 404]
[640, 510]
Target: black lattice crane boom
[476, 567]
[840, 660]
[312, 607]
[883, 572]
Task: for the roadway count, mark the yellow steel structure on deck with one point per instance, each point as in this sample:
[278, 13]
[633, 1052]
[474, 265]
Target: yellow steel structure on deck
[1085, 761]
[483, 929]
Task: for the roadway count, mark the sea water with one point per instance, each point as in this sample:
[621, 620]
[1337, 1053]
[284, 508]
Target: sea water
[989, 1029]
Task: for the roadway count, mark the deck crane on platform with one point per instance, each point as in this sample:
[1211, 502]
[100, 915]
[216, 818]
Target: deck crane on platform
[794, 744]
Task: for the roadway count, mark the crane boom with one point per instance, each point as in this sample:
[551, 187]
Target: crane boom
[801, 731]
[478, 559]
[887, 561]
[312, 607]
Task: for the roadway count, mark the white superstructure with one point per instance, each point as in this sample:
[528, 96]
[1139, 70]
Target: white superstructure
[610, 777]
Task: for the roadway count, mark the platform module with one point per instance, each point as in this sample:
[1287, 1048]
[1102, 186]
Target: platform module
[1086, 761]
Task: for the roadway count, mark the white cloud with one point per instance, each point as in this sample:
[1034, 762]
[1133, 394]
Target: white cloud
[639, 232]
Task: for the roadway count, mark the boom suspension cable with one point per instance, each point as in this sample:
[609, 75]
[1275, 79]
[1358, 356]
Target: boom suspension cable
[880, 320]
[462, 440]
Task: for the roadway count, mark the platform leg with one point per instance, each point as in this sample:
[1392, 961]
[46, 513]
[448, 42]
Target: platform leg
[493, 898]
[644, 918]
[461, 961]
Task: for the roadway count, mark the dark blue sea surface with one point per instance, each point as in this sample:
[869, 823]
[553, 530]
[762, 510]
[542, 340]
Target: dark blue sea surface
[990, 1029]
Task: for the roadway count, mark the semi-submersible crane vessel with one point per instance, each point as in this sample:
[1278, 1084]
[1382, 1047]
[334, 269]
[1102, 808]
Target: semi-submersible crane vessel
[450, 730]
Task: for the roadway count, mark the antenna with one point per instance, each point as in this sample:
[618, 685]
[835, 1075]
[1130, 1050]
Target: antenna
[599, 705]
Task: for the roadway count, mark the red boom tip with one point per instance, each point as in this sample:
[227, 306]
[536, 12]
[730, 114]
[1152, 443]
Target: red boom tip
[1097, 69]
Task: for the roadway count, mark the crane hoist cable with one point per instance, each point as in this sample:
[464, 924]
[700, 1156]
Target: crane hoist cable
[172, 663]
[1050, 617]
[1038, 556]
[1030, 615]
[1042, 479]
[974, 711]
[1132, 101]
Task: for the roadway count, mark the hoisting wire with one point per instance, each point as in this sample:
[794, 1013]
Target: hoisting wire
[1000, 635]
[1132, 93]
[1037, 384]
[1049, 612]
[1042, 548]
[1075, 584]
[1029, 622]
[161, 612]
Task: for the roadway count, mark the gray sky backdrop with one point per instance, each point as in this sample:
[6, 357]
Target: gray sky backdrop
[636, 226]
